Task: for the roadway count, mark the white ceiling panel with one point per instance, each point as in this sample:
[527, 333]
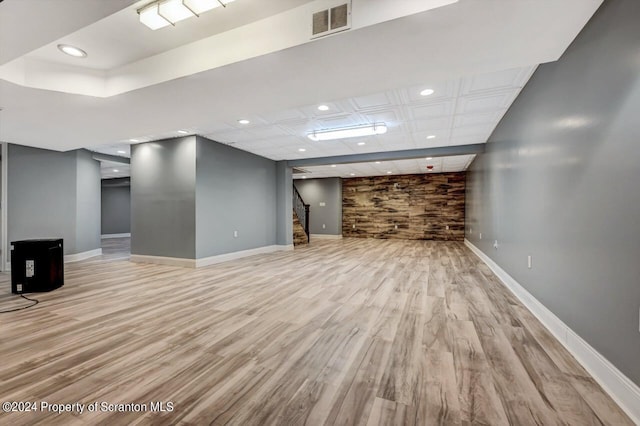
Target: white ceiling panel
[382, 168]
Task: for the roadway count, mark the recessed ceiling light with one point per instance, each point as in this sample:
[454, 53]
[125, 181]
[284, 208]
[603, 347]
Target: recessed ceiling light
[323, 107]
[244, 121]
[377, 162]
[72, 51]
[389, 172]
[352, 174]
[121, 152]
[183, 132]
[115, 170]
[301, 149]
[134, 140]
[333, 165]
[304, 177]
[426, 92]
[429, 158]
[361, 143]
[431, 137]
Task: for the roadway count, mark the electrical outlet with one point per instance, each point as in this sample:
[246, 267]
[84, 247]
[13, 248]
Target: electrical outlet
[235, 234]
[529, 261]
[324, 226]
[19, 288]
[495, 244]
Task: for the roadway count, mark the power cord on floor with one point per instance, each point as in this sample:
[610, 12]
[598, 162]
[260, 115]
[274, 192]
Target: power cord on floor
[35, 302]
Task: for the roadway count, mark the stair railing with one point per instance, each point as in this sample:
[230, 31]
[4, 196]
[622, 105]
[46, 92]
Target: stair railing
[302, 210]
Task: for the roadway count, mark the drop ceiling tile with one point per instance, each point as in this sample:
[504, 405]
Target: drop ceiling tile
[486, 102]
[501, 80]
[478, 119]
[443, 90]
[342, 120]
[431, 125]
[388, 116]
[383, 100]
[277, 117]
[430, 110]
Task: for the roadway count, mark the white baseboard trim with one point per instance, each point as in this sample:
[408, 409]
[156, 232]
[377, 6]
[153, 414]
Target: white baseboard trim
[107, 236]
[212, 260]
[326, 237]
[82, 256]
[207, 261]
[623, 391]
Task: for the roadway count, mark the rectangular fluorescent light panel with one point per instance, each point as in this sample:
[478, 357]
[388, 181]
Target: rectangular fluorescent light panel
[162, 13]
[174, 11]
[200, 6]
[348, 132]
[151, 18]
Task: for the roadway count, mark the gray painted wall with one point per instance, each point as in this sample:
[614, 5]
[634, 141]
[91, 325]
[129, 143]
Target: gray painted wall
[88, 202]
[163, 193]
[559, 181]
[236, 190]
[284, 204]
[116, 209]
[47, 200]
[329, 192]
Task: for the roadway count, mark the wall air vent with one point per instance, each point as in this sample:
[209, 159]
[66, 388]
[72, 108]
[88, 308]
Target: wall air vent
[332, 20]
[299, 171]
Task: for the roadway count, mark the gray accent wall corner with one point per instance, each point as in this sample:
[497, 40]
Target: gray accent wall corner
[284, 204]
[559, 182]
[54, 194]
[88, 202]
[163, 194]
[235, 191]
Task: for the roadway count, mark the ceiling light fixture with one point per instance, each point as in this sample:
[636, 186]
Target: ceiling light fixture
[183, 132]
[426, 92]
[431, 137]
[121, 152]
[361, 143]
[301, 149]
[304, 177]
[377, 162]
[162, 13]
[134, 140]
[244, 121]
[333, 165]
[352, 174]
[348, 132]
[323, 108]
[72, 51]
[115, 170]
[429, 158]
[389, 172]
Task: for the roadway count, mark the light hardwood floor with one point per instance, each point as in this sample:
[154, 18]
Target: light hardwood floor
[346, 331]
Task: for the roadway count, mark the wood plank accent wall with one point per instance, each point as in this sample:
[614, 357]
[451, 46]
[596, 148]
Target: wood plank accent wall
[422, 206]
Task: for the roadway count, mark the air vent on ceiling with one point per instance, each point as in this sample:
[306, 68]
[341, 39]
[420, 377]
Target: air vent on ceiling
[298, 171]
[331, 20]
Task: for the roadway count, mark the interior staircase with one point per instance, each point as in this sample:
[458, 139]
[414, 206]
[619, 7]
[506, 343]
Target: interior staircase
[300, 220]
[299, 236]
